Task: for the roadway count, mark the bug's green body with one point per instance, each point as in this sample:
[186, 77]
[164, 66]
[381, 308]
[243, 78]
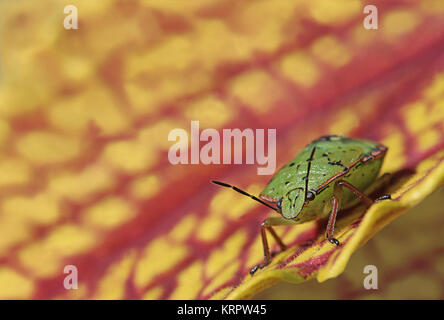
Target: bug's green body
[330, 174]
[355, 161]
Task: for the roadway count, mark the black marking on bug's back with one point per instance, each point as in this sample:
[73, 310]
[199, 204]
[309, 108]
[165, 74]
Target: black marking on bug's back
[339, 163]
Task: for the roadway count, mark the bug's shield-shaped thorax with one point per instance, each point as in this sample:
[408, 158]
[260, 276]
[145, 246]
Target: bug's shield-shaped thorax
[322, 162]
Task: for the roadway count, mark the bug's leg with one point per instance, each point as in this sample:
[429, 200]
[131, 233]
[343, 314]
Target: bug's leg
[381, 182]
[353, 189]
[332, 220]
[282, 246]
[384, 197]
[267, 225]
[361, 195]
[335, 205]
[267, 255]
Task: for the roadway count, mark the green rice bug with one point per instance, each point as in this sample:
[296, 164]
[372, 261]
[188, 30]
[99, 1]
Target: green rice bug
[327, 175]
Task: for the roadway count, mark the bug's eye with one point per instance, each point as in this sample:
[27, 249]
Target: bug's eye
[310, 196]
[279, 204]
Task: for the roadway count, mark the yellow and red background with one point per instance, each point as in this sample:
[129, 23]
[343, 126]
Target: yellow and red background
[85, 115]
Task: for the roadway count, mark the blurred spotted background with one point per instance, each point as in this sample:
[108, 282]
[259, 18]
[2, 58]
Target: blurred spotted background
[84, 120]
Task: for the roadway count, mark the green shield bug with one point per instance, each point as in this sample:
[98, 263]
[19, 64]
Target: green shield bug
[332, 172]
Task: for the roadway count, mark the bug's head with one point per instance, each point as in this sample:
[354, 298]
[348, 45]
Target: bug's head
[292, 203]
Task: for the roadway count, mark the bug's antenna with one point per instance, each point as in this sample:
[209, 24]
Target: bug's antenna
[243, 192]
[308, 171]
